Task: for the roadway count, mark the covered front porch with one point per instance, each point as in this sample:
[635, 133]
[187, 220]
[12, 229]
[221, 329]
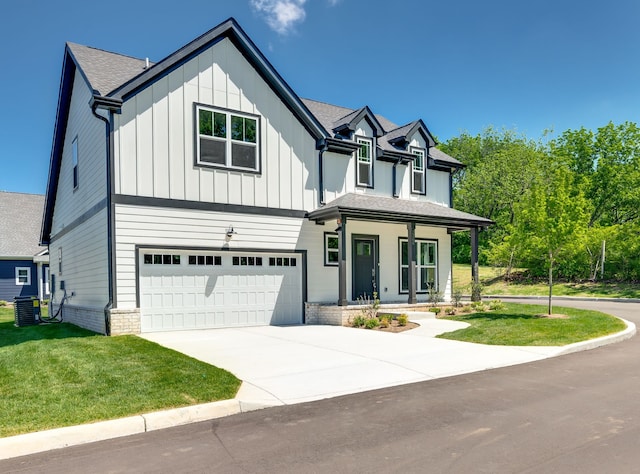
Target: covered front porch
[417, 250]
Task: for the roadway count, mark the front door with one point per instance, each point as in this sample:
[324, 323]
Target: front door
[365, 264]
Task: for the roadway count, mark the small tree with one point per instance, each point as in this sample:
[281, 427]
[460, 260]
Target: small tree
[553, 215]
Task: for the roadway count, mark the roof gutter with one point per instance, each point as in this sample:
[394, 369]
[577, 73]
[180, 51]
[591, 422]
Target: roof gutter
[112, 106]
[322, 147]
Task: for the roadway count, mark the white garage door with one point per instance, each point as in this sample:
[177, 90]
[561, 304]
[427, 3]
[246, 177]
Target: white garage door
[190, 290]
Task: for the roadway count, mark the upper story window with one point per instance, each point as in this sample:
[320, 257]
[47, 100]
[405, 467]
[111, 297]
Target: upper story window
[364, 165]
[228, 139]
[417, 171]
[74, 152]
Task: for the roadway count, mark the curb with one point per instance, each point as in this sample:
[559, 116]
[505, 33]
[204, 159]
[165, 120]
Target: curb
[32, 443]
[623, 335]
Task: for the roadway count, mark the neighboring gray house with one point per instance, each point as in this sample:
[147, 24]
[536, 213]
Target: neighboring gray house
[201, 191]
[24, 263]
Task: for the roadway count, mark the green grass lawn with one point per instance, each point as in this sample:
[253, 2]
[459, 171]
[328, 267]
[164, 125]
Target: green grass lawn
[520, 325]
[494, 284]
[61, 375]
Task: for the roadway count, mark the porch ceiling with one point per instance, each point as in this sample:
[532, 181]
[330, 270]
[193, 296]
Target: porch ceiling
[388, 209]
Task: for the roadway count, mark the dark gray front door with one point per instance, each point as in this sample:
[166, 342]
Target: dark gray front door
[364, 267]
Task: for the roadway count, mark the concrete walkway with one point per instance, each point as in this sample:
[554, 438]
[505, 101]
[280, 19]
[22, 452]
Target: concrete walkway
[286, 365]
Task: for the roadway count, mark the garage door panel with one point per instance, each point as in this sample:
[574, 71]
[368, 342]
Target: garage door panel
[257, 290]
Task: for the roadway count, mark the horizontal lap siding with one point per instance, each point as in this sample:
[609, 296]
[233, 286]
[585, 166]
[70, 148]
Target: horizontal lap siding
[84, 262]
[8, 288]
[155, 138]
[165, 227]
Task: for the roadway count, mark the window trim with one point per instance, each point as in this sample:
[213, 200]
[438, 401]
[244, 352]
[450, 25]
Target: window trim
[228, 140]
[327, 263]
[28, 276]
[369, 140]
[418, 266]
[74, 163]
[47, 280]
[413, 150]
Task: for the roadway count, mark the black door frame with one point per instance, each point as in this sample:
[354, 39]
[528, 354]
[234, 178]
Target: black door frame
[376, 261]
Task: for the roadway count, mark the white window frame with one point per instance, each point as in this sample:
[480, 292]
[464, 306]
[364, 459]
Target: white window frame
[74, 162]
[418, 171]
[328, 250]
[421, 244]
[362, 158]
[27, 276]
[47, 277]
[227, 139]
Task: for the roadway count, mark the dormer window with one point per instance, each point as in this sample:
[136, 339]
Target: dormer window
[364, 165]
[417, 171]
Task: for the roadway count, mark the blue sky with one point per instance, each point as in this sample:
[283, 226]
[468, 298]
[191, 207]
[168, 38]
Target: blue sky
[460, 65]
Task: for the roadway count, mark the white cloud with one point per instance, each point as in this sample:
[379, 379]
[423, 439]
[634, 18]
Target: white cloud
[280, 15]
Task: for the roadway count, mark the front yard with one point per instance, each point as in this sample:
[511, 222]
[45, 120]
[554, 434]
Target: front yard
[522, 325]
[61, 375]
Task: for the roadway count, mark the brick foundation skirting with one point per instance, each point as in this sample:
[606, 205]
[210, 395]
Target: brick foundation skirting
[87, 317]
[333, 315]
[125, 321]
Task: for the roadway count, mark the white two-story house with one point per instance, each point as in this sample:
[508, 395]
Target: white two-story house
[202, 192]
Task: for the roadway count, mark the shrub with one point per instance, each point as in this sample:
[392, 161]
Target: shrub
[3, 303]
[478, 306]
[370, 306]
[385, 321]
[371, 323]
[456, 298]
[434, 297]
[450, 311]
[402, 320]
[358, 321]
[435, 309]
[496, 305]
[467, 308]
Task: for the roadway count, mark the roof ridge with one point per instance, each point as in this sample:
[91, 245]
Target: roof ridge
[20, 192]
[332, 105]
[109, 52]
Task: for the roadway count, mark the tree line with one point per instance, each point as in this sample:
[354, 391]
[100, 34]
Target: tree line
[567, 206]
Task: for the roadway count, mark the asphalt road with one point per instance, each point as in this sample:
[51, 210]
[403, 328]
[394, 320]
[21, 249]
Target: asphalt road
[575, 413]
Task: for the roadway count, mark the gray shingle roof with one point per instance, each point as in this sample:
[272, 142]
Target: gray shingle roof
[20, 221]
[397, 209]
[106, 71]
[331, 115]
[326, 114]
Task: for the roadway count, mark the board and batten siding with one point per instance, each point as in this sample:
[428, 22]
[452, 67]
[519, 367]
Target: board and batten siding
[92, 164]
[340, 175]
[166, 228]
[437, 182]
[155, 138]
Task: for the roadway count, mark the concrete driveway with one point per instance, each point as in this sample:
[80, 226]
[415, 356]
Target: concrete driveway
[285, 365]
